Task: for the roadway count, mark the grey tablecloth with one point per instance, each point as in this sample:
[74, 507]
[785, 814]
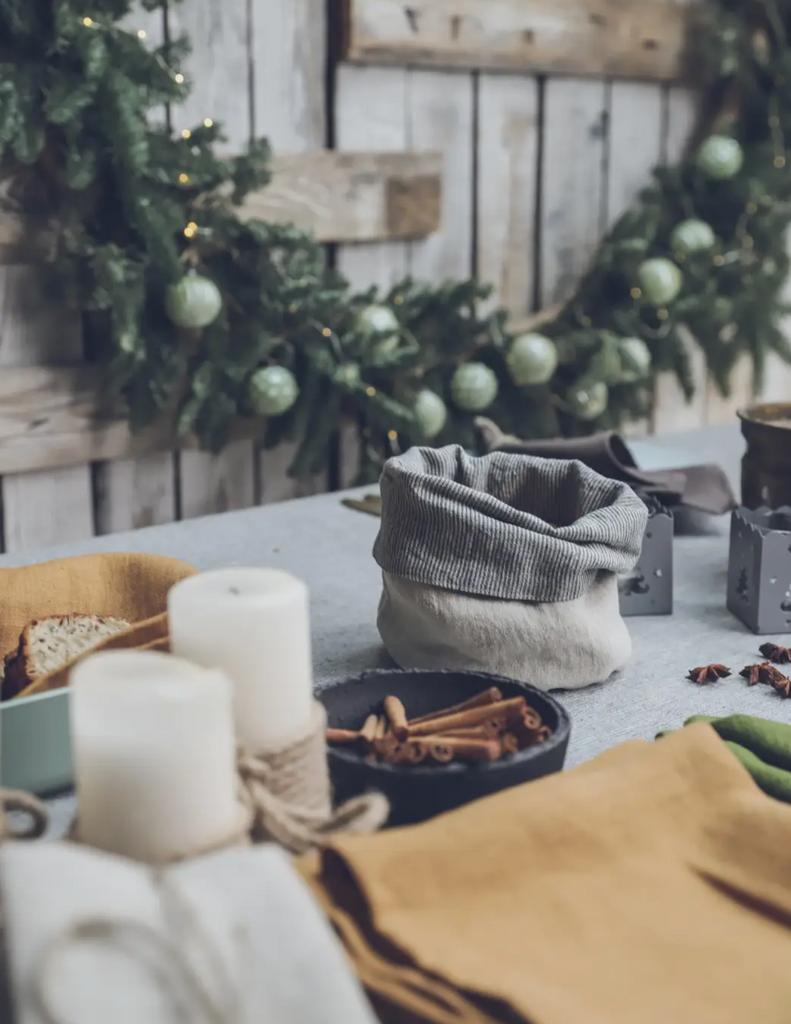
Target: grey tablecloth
[329, 546]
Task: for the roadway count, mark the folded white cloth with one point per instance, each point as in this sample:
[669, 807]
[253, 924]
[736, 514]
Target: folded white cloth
[230, 938]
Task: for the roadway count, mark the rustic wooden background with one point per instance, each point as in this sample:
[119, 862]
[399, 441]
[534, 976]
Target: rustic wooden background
[541, 118]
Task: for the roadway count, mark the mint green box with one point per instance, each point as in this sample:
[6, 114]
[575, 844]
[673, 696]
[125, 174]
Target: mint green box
[35, 744]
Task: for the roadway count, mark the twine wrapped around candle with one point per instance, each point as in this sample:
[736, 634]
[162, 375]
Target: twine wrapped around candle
[289, 795]
[25, 803]
[286, 797]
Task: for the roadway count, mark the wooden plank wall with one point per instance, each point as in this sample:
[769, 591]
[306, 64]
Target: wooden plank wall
[535, 168]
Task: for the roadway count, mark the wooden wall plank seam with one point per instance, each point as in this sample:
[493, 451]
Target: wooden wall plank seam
[507, 188]
[370, 112]
[635, 144]
[136, 492]
[289, 56]
[218, 72]
[56, 505]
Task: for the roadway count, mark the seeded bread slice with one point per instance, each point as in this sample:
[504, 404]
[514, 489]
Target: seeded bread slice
[48, 644]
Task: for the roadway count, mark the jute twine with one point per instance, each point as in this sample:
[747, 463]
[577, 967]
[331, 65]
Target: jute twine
[289, 795]
[286, 797]
[25, 803]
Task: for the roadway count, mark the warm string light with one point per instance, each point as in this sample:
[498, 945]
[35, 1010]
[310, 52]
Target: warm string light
[185, 133]
[207, 122]
[636, 293]
[326, 332]
[392, 435]
[184, 178]
[87, 22]
[370, 392]
[662, 314]
[191, 229]
[178, 77]
[719, 260]
[141, 33]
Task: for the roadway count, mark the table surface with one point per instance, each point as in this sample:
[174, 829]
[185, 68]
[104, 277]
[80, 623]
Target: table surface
[329, 546]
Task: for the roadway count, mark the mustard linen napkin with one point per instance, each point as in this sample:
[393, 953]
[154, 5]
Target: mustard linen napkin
[127, 586]
[652, 884]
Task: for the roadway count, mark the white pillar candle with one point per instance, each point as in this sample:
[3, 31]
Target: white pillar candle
[254, 624]
[154, 755]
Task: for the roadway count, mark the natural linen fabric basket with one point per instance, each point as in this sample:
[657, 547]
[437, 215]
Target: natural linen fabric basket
[505, 563]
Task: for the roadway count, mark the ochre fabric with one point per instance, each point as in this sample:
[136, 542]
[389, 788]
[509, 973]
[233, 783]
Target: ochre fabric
[652, 884]
[117, 585]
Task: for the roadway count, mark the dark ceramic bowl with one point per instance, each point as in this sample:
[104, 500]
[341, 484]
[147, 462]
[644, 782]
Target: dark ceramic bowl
[417, 792]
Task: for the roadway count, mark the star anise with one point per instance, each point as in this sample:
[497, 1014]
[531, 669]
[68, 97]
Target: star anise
[762, 673]
[708, 673]
[782, 685]
[774, 652]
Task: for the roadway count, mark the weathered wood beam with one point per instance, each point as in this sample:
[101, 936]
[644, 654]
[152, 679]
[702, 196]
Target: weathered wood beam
[340, 197]
[52, 416]
[353, 197]
[641, 39]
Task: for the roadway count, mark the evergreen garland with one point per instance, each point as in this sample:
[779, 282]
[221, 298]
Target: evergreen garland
[205, 318]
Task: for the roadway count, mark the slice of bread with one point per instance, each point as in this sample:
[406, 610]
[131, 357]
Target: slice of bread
[48, 644]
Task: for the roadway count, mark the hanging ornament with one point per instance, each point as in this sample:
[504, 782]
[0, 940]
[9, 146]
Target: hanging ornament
[720, 157]
[380, 324]
[660, 280]
[193, 302]
[474, 387]
[347, 376]
[273, 390]
[431, 413]
[691, 236]
[722, 309]
[588, 399]
[532, 359]
[635, 359]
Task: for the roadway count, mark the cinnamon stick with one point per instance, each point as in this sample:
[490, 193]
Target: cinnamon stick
[341, 736]
[396, 715]
[510, 743]
[511, 710]
[407, 753]
[490, 696]
[368, 731]
[531, 719]
[543, 734]
[446, 748]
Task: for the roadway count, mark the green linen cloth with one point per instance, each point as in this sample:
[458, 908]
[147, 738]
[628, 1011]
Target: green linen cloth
[763, 746]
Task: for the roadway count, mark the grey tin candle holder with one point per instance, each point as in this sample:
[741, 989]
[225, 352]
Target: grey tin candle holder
[648, 589]
[759, 569]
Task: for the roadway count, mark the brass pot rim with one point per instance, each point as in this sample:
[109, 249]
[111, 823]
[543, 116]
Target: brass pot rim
[764, 414]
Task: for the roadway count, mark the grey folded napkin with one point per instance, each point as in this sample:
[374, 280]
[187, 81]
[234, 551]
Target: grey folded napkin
[505, 563]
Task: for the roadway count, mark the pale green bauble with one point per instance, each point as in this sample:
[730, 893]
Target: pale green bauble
[193, 302]
[273, 390]
[532, 359]
[381, 324]
[691, 236]
[474, 387]
[660, 280]
[347, 376]
[431, 413]
[588, 399]
[635, 359]
[720, 157]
